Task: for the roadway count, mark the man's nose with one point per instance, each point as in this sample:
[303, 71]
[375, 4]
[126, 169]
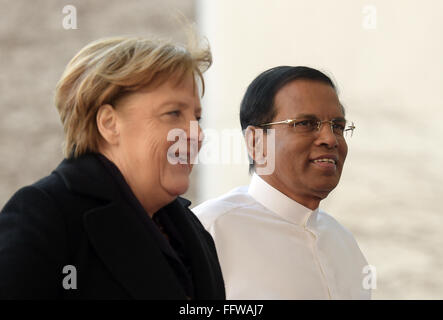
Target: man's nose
[326, 136]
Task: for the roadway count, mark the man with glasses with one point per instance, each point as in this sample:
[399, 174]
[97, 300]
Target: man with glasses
[272, 239]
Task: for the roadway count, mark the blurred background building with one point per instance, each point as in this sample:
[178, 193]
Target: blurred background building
[385, 56]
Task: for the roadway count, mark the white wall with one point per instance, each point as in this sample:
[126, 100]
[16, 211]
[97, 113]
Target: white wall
[391, 83]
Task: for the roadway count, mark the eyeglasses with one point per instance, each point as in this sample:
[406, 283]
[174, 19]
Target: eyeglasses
[339, 127]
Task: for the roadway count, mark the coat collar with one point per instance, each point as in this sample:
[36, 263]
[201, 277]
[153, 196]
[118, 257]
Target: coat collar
[131, 254]
[87, 176]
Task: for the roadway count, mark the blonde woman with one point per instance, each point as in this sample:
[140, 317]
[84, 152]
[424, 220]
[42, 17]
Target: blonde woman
[108, 223]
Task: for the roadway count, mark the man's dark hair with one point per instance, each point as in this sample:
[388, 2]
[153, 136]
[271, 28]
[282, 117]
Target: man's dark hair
[257, 106]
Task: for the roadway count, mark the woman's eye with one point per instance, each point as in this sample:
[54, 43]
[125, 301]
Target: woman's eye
[175, 113]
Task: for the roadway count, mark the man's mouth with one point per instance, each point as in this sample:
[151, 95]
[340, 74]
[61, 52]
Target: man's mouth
[325, 161]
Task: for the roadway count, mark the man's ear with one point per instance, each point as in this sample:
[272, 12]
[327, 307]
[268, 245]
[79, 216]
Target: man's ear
[254, 138]
[107, 124]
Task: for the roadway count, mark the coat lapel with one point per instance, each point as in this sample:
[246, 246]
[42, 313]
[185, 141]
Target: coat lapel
[204, 266]
[131, 254]
[118, 235]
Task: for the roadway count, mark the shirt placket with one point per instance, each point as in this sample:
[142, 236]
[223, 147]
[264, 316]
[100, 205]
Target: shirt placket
[315, 254]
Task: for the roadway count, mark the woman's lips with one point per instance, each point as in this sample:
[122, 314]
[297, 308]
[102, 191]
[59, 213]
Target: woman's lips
[181, 161]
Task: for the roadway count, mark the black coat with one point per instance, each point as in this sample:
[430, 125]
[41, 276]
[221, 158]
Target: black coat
[77, 216]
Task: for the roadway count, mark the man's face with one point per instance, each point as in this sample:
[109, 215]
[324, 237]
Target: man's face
[296, 173]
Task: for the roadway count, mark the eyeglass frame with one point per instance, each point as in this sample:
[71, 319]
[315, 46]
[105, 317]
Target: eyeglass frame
[350, 127]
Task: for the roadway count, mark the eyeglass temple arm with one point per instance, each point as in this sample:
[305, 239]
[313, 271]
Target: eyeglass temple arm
[289, 121]
[278, 122]
[350, 127]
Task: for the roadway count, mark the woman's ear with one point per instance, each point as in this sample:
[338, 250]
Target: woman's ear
[107, 124]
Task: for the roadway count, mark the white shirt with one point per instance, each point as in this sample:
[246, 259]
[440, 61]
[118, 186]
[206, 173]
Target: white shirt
[271, 247]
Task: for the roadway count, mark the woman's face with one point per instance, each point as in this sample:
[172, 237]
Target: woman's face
[144, 120]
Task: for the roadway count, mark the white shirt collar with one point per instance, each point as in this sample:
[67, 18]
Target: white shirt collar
[279, 203]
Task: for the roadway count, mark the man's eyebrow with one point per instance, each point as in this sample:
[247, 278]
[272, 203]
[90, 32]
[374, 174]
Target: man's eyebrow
[340, 119]
[306, 116]
[313, 116]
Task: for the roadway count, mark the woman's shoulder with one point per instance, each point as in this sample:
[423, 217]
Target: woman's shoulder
[48, 198]
[33, 202]
[32, 243]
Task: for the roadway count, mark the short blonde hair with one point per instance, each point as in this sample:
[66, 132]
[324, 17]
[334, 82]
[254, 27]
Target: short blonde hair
[107, 69]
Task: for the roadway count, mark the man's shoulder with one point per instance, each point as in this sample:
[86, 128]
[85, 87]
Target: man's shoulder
[331, 222]
[334, 227]
[211, 210]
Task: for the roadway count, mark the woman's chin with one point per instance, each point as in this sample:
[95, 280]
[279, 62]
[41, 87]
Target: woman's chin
[178, 186]
[175, 179]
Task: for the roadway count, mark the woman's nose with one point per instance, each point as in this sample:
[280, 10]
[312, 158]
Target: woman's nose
[195, 135]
